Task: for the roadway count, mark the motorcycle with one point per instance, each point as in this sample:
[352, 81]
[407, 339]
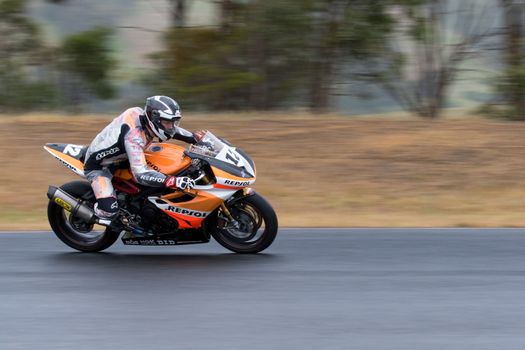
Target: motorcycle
[222, 205]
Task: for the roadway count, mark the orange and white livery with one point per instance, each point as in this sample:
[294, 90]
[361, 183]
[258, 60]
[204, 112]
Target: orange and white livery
[230, 170]
[221, 203]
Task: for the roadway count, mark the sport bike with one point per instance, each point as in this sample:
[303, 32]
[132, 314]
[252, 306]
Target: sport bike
[222, 205]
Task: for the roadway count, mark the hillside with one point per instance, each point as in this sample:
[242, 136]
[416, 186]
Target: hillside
[323, 171]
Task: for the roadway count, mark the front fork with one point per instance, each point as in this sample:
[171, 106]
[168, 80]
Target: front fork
[246, 192]
[226, 211]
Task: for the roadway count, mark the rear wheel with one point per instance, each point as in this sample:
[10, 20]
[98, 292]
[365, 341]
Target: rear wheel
[255, 229]
[74, 231]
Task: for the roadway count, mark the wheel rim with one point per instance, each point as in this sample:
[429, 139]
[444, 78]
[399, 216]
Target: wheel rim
[251, 225]
[81, 231]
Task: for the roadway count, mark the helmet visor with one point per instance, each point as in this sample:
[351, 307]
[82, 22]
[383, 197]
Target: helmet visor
[170, 126]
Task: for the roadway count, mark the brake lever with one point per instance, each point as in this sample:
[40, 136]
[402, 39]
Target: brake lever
[200, 177]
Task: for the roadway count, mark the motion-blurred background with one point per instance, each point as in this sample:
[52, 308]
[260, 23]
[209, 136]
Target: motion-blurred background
[357, 113]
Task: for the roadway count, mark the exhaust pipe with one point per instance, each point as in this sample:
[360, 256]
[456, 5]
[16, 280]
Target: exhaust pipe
[71, 204]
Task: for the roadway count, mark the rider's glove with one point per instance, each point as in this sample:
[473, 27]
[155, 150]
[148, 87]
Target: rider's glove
[180, 183]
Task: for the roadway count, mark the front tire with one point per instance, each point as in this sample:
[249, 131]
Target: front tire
[257, 226]
[73, 231]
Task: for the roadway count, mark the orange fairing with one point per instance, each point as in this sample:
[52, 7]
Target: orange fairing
[166, 158]
[203, 201]
[71, 163]
[185, 212]
[185, 221]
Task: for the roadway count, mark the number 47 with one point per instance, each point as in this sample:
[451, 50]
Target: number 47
[232, 156]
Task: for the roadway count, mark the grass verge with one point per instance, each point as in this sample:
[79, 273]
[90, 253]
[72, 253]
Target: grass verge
[323, 171]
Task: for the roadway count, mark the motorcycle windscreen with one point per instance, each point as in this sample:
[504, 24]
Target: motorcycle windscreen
[224, 156]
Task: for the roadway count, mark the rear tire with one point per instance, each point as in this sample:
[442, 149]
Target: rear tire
[258, 226]
[73, 231]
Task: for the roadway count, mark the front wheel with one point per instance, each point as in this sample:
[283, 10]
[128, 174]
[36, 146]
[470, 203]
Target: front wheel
[75, 232]
[255, 228]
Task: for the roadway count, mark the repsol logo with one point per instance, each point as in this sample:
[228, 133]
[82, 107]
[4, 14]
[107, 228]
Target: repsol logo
[151, 178]
[236, 183]
[188, 212]
[106, 153]
[152, 166]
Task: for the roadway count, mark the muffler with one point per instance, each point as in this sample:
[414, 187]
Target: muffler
[71, 204]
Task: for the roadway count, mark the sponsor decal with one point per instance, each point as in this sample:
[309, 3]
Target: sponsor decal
[69, 166]
[131, 241]
[237, 183]
[183, 211]
[166, 242]
[174, 209]
[170, 182]
[151, 178]
[106, 153]
[63, 204]
[152, 166]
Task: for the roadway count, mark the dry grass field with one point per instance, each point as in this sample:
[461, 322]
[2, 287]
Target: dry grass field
[323, 171]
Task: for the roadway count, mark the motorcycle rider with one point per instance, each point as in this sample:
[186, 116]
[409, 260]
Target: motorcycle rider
[125, 138]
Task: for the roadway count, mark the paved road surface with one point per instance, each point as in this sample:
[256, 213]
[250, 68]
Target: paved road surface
[313, 289]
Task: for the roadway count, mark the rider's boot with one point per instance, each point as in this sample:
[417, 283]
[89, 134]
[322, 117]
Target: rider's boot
[106, 218]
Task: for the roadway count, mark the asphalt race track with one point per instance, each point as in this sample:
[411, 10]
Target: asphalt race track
[313, 289]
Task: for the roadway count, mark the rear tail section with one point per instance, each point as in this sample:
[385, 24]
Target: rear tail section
[72, 156]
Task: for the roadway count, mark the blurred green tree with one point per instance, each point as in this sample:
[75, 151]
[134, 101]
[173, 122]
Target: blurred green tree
[425, 54]
[23, 75]
[179, 8]
[509, 86]
[86, 65]
[229, 66]
[343, 36]
[268, 54]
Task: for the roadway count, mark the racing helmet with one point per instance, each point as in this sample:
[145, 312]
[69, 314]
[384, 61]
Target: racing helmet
[163, 115]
